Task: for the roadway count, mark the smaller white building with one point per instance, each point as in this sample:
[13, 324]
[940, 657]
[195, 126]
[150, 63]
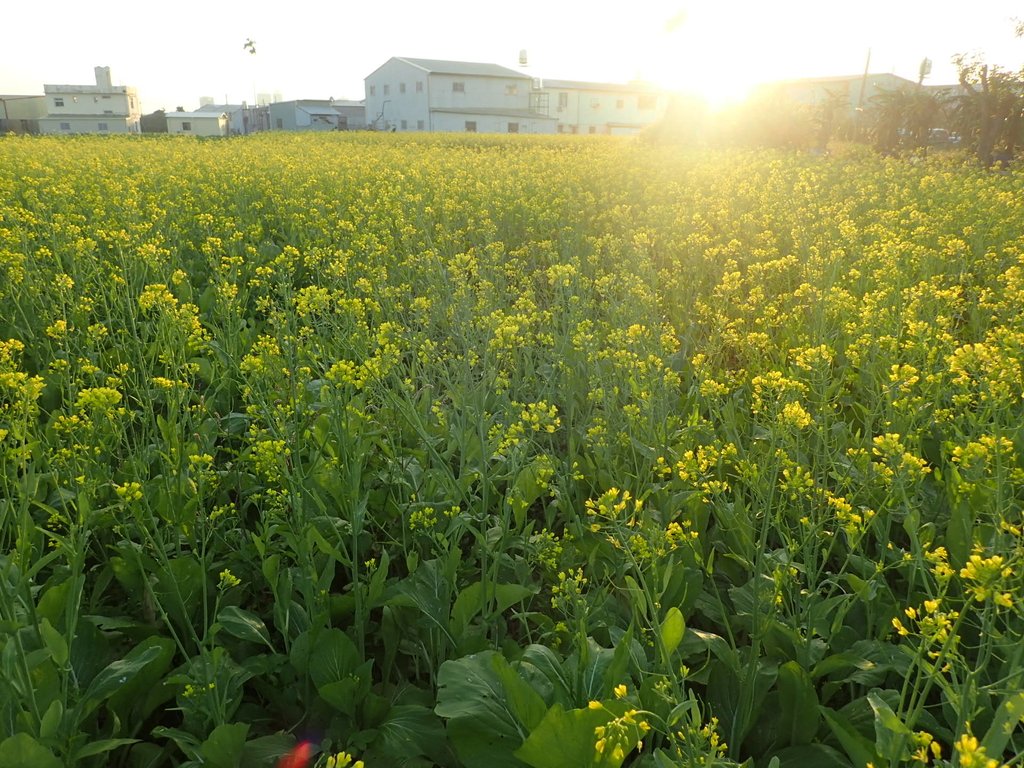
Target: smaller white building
[197, 123]
[100, 108]
[317, 115]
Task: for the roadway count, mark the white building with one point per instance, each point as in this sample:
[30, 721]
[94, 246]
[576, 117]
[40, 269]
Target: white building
[21, 114]
[407, 94]
[602, 108]
[197, 123]
[242, 119]
[100, 108]
[317, 115]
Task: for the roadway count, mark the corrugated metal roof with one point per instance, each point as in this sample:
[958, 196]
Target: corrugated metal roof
[479, 69]
[583, 85]
[201, 115]
[490, 111]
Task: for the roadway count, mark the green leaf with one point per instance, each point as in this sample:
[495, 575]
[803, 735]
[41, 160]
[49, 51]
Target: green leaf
[470, 601]
[409, 731]
[800, 712]
[482, 725]
[526, 704]
[858, 749]
[565, 738]
[102, 746]
[548, 664]
[810, 756]
[333, 657]
[55, 642]
[672, 630]
[22, 751]
[120, 672]
[244, 625]
[1008, 714]
[960, 532]
[265, 751]
[223, 748]
[51, 721]
[888, 725]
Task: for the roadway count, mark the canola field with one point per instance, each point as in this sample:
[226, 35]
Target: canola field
[505, 451]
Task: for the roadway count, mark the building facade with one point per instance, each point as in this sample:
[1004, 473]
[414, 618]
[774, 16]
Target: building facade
[197, 123]
[602, 108]
[21, 114]
[406, 94]
[100, 108]
[317, 115]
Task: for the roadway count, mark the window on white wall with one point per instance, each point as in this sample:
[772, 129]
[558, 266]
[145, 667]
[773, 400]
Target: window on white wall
[58, 101]
[471, 126]
[419, 125]
[401, 87]
[620, 103]
[405, 125]
[458, 87]
[186, 126]
[65, 126]
[373, 90]
[563, 101]
[103, 127]
[511, 89]
[387, 90]
[513, 127]
[419, 86]
[595, 103]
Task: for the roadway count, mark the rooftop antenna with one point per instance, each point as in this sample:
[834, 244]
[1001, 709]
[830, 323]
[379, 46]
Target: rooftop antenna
[523, 61]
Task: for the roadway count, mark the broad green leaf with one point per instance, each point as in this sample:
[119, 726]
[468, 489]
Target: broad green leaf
[566, 737]
[672, 630]
[333, 656]
[55, 642]
[526, 704]
[799, 702]
[223, 748]
[265, 751]
[470, 600]
[118, 673]
[244, 625]
[554, 669]
[858, 749]
[22, 751]
[409, 731]
[51, 721]
[482, 725]
[1009, 714]
[888, 726]
[101, 746]
[811, 756]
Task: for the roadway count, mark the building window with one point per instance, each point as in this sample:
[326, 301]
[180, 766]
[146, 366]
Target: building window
[593, 129]
[620, 103]
[419, 125]
[106, 97]
[595, 103]
[103, 127]
[186, 125]
[65, 126]
[108, 111]
[401, 87]
[458, 87]
[280, 123]
[58, 101]
[647, 101]
[419, 86]
[511, 90]
[405, 125]
[513, 127]
[387, 90]
[373, 90]
[563, 101]
[561, 128]
[471, 126]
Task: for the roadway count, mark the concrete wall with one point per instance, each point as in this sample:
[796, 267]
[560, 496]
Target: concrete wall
[91, 124]
[456, 122]
[477, 92]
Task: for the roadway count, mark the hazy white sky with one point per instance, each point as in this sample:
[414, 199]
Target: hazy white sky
[176, 52]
